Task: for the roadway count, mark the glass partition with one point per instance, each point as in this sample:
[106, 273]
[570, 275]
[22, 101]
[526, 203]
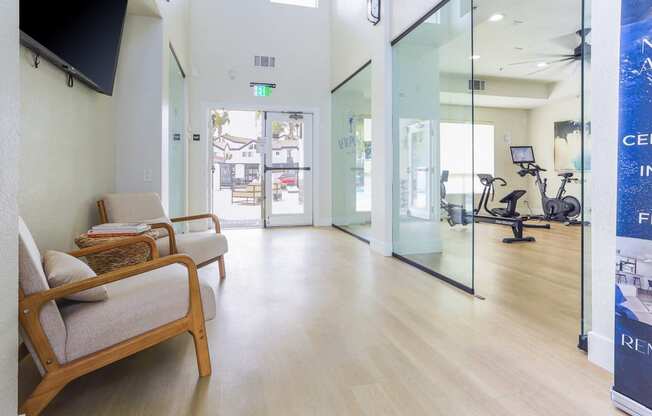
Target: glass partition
[586, 178]
[177, 141]
[351, 154]
[433, 144]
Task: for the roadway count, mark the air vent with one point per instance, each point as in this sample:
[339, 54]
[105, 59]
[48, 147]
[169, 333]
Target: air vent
[477, 85]
[265, 61]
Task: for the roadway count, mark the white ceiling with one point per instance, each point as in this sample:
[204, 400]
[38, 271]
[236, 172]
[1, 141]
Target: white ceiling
[532, 30]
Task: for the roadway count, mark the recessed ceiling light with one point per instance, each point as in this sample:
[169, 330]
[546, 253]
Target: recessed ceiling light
[496, 17]
[474, 57]
[542, 64]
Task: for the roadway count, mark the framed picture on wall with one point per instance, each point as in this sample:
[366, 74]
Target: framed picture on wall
[568, 146]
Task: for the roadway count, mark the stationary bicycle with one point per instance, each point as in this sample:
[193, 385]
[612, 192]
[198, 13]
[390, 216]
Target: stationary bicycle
[511, 201]
[457, 215]
[562, 208]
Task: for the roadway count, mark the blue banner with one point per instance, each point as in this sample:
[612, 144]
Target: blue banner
[633, 340]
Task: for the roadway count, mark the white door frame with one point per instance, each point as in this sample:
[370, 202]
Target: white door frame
[206, 165]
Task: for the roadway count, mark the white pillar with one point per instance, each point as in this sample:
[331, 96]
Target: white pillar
[604, 109]
[381, 115]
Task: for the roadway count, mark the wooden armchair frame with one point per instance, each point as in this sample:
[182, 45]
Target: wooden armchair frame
[104, 218]
[58, 375]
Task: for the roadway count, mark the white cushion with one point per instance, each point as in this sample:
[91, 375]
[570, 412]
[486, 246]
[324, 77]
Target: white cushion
[133, 207]
[61, 268]
[201, 246]
[136, 305]
[32, 280]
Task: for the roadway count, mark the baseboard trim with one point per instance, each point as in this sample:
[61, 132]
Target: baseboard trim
[601, 351]
[628, 405]
[352, 234]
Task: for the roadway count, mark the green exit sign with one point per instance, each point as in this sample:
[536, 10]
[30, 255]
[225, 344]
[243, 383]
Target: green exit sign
[262, 90]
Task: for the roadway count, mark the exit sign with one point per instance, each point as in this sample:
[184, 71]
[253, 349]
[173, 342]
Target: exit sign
[262, 89]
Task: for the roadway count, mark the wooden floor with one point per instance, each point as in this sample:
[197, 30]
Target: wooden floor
[310, 322]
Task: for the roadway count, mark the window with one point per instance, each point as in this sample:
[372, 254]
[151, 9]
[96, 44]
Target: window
[454, 155]
[303, 3]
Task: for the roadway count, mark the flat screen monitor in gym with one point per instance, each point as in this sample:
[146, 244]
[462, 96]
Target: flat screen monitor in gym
[522, 154]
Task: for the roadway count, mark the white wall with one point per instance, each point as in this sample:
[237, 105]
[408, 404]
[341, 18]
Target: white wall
[604, 107]
[541, 133]
[511, 128]
[176, 20]
[9, 125]
[225, 36]
[142, 95]
[138, 99]
[406, 12]
[66, 154]
[351, 38]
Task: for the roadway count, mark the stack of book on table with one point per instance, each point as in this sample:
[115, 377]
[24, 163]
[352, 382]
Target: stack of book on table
[122, 229]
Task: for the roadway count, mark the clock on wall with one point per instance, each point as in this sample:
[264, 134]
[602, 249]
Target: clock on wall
[373, 11]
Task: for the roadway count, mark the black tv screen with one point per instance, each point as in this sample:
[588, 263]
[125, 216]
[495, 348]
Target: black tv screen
[80, 36]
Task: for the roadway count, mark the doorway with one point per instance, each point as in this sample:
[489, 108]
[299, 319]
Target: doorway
[261, 168]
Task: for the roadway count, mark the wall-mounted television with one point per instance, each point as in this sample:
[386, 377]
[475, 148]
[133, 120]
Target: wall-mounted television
[81, 37]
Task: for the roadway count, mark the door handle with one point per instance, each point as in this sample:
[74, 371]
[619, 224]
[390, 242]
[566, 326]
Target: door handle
[268, 168]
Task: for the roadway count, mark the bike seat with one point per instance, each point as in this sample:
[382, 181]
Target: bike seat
[566, 175]
[513, 196]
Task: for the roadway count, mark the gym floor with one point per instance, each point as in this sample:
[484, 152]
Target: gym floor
[546, 272]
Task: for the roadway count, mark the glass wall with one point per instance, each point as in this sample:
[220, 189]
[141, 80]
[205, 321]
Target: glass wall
[472, 79]
[177, 140]
[433, 144]
[586, 179]
[351, 154]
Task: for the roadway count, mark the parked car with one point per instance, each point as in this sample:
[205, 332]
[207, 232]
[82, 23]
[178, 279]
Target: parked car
[288, 179]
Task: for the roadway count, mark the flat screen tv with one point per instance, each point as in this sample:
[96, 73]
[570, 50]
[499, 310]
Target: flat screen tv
[82, 37]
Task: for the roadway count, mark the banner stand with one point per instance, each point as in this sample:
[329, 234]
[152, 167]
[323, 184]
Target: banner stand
[632, 390]
[628, 405]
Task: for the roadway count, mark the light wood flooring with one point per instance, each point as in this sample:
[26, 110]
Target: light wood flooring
[311, 322]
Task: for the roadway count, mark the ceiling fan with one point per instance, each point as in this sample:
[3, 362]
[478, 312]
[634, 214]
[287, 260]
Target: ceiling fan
[578, 52]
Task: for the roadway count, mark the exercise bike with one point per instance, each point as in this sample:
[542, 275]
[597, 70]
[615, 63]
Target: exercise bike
[489, 191]
[458, 215]
[562, 208]
[511, 201]
[455, 214]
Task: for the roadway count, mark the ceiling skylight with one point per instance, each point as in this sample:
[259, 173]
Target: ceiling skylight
[303, 3]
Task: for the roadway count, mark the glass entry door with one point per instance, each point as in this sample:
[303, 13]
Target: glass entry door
[288, 169]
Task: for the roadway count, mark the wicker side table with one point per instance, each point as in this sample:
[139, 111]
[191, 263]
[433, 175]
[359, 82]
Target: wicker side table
[118, 257]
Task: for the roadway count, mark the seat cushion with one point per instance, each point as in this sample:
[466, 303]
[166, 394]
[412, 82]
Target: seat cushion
[201, 246]
[133, 207]
[136, 305]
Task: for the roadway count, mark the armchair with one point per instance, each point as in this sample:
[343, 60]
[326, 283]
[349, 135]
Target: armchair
[204, 247]
[145, 307]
